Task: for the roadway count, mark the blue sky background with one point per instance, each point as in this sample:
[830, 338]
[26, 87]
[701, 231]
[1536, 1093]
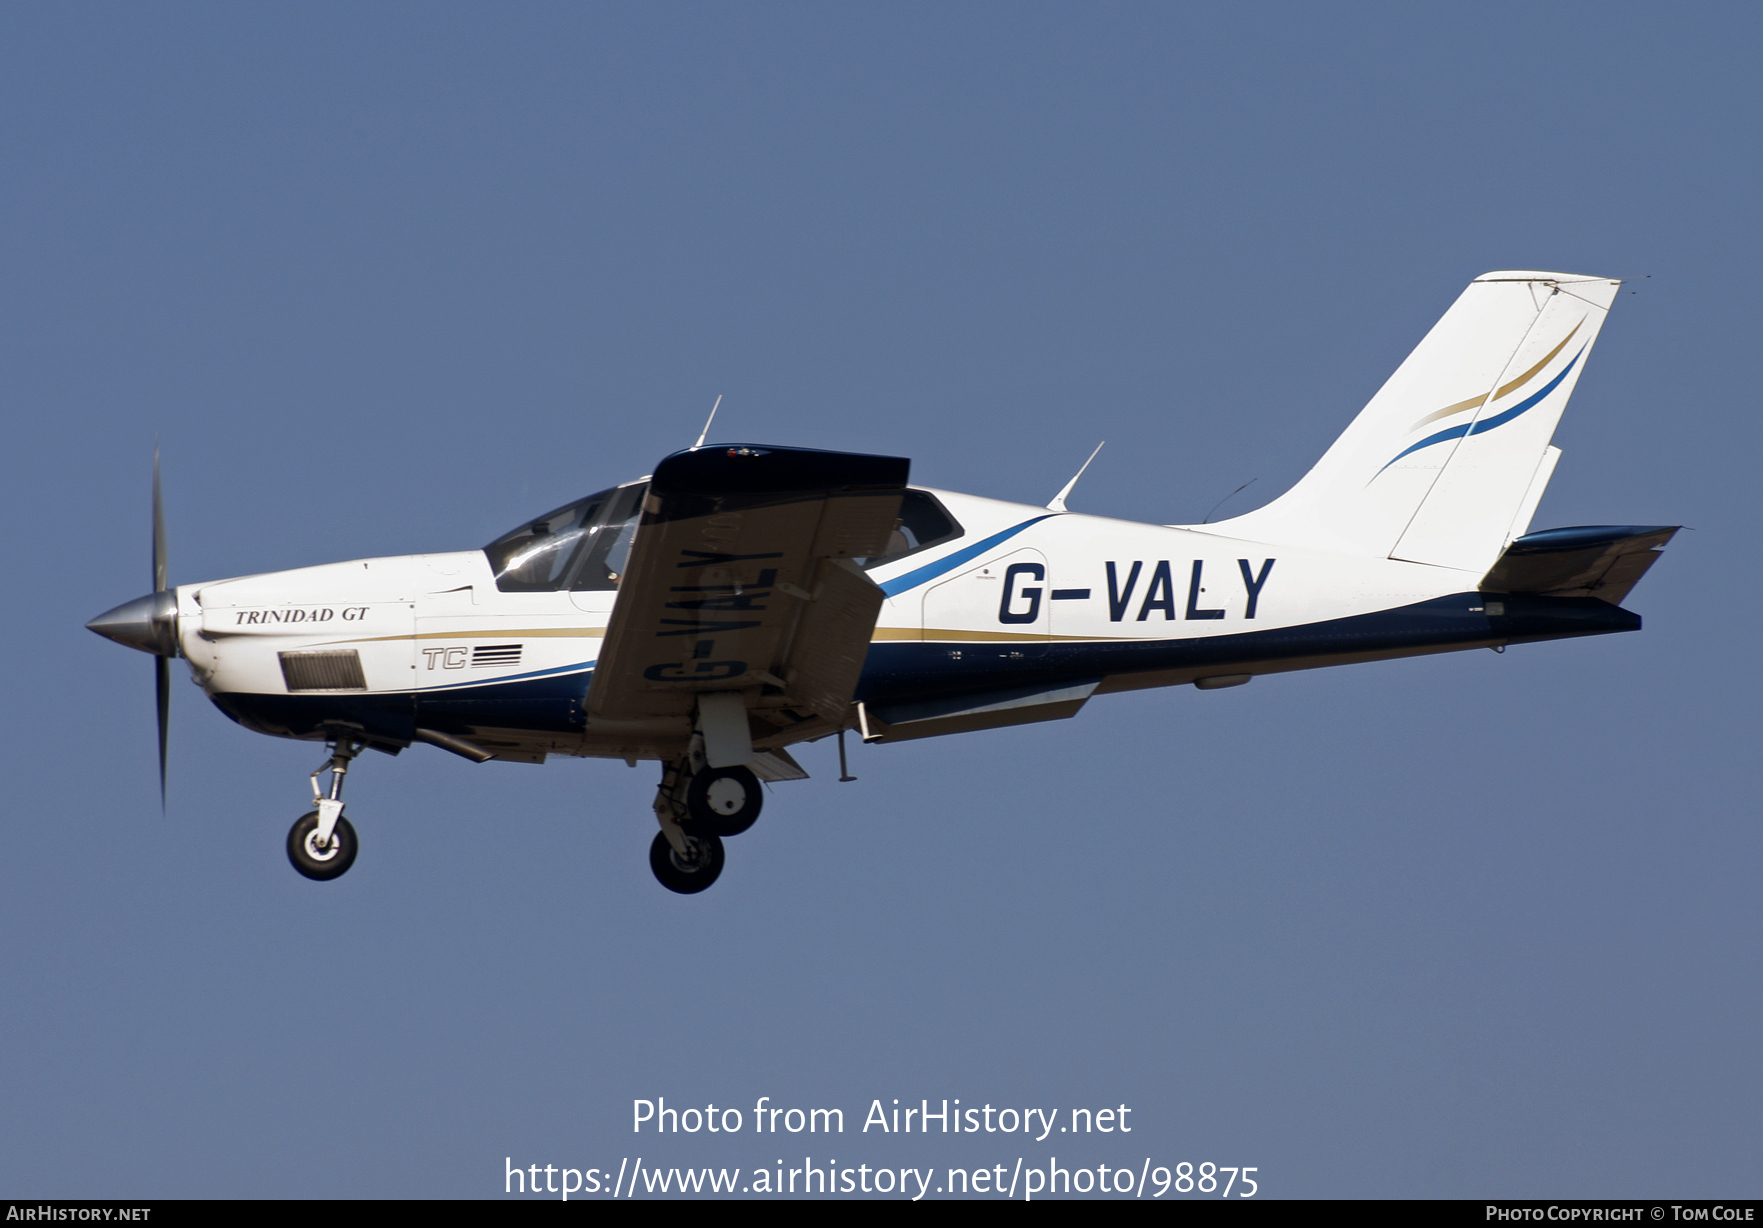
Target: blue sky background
[387, 278]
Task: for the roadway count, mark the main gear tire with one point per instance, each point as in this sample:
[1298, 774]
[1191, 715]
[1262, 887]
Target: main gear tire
[686, 875]
[722, 802]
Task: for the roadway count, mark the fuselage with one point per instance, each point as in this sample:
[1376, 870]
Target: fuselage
[1022, 606]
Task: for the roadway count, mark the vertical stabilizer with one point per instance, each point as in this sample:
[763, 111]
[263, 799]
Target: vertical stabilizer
[1450, 454]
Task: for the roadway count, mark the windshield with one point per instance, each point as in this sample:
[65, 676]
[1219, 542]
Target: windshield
[583, 545]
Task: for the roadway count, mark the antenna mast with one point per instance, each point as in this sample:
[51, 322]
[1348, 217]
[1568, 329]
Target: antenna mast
[1058, 504]
[708, 421]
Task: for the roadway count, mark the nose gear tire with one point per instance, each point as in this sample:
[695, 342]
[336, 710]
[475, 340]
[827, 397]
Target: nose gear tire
[722, 802]
[688, 876]
[317, 863]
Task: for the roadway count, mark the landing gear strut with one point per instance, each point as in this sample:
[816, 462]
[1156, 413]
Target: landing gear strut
[322, 842]
[697, 805]
[707, 801]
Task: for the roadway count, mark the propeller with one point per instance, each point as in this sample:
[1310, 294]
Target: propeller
[150, 624]
[161, 662]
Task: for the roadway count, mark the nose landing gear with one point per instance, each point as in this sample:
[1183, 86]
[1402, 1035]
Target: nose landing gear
[321, 844]
[321, 861]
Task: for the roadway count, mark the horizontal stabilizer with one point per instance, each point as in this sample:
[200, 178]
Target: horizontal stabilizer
[1602, 561]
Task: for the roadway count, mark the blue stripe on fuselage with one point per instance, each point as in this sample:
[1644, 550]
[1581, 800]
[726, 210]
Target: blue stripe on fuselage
[949, 562]
[477, 683]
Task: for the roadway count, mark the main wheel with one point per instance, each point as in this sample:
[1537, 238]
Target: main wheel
[686, 875]
[314, 862]
[722, 802]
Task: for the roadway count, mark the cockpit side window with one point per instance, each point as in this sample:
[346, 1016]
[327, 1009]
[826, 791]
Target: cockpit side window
[602, 563]
[923, 523]
[586, 545]
[581, 546]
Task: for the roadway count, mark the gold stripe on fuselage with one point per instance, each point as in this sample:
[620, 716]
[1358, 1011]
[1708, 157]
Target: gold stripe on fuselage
[593, 633]
[881, 635]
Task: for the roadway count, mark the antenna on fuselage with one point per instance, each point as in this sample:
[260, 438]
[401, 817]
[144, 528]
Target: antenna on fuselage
[707, 422]
[1233, 494]
[1058, 504]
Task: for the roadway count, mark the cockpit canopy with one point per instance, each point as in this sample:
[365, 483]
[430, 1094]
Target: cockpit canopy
[582, 546]
[585, 545]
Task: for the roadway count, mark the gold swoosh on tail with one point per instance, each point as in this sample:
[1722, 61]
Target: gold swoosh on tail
[1473, 402]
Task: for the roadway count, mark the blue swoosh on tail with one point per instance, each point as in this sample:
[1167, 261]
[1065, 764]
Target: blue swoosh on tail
[1488, 424]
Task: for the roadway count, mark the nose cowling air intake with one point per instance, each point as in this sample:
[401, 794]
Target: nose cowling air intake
[148, 623]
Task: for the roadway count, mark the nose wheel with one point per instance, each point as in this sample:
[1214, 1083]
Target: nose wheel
[322, 844]
[321, 861]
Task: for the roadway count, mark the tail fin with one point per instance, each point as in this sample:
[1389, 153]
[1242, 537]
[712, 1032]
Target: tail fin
[1453, 451]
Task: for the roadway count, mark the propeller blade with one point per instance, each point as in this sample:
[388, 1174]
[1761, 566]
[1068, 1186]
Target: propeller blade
[161, 664]
[162, 688]
[158, 527]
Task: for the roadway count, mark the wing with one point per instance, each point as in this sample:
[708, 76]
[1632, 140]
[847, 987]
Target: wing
[741, 580]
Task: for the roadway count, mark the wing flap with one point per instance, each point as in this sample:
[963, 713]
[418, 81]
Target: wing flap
[833, 638]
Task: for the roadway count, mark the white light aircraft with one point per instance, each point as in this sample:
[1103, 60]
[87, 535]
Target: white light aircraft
[746, 598]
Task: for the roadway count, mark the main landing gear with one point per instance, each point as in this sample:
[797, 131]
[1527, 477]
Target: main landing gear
[697, 806]
[322, 842]
[722, 801]
[689, 870]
